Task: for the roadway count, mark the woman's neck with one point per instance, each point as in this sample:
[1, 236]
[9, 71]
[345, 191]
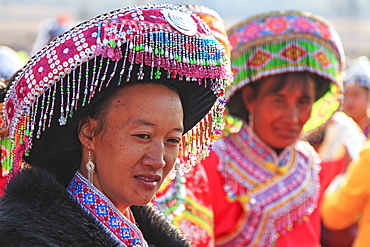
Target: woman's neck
[129, 215]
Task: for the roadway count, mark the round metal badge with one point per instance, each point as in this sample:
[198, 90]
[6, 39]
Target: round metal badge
[183, 22]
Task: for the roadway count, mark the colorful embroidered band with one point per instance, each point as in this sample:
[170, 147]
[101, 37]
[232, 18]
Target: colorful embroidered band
[105, 213]
[162, 37]
[276, 192]
[288, 41]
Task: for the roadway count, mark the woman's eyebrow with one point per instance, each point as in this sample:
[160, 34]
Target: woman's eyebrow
[143, 122]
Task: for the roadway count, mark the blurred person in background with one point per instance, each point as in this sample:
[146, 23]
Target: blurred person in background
[338, 144]
[357, 93]
[345, 207]
[264, 181]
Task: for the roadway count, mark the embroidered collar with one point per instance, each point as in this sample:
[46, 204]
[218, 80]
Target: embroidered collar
[106, 214]
[276, 191]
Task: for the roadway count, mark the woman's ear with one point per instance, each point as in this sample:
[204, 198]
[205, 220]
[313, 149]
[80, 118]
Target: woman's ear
[87, 127]
[248, 98]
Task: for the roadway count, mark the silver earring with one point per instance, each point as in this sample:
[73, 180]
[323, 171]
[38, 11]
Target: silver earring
[90, 166]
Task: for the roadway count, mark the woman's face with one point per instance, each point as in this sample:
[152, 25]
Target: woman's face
[138, 144]
[356, 100]
[278, 117]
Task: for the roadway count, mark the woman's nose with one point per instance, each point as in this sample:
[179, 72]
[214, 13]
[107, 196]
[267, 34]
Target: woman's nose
[155, 156]
[292, 114]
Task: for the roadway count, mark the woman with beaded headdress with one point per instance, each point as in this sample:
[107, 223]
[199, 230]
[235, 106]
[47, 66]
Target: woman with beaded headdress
[97, 120]
[10, 62]
[185, 200]
[264, 181]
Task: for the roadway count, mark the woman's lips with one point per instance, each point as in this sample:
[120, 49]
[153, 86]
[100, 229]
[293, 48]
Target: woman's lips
[148, 180]
[288, 133]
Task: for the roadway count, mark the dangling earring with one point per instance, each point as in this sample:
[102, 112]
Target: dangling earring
[90, 166]
[250, 126]
[250, 121]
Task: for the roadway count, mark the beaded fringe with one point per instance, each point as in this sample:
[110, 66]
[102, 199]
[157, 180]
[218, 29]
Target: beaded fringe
[187, 58]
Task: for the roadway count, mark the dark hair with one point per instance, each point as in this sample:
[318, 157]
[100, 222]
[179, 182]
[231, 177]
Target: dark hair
[281, 83]
[237, 108]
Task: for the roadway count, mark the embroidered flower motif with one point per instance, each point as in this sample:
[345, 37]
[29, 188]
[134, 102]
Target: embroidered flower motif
[234, 40]
[251, 31]
[324, 30]
[302, 24]
[277, 25]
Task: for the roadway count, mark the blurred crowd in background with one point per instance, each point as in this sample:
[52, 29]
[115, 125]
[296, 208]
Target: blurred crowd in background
[21, 21]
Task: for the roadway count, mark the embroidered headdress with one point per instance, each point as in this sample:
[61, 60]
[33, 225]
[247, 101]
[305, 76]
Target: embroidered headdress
[288, 41]
[147, 43]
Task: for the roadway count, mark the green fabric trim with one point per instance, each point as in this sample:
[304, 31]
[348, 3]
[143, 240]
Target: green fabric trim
[247, 68]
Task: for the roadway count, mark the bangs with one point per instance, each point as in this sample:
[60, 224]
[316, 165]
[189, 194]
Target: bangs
[300, 81]
[283, 81]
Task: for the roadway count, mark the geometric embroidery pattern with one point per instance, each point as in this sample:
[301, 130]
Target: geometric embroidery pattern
[119, 227]
[276, 192]
[260, 58]
[293, 53]
[322, 58]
